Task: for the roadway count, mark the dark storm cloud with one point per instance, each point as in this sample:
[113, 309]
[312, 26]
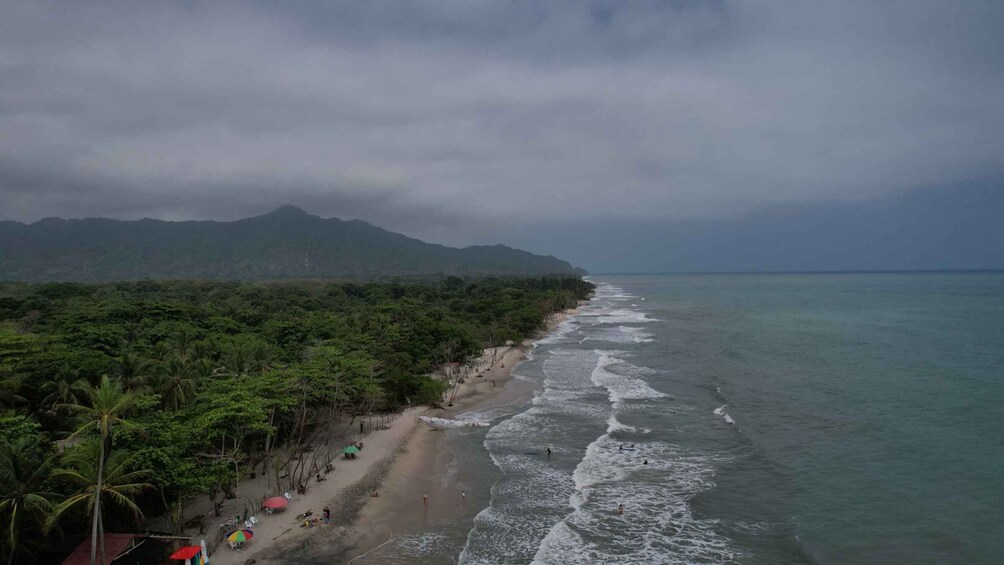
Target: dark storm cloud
[446, 119]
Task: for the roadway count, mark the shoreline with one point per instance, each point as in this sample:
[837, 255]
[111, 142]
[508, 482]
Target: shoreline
[397, 462]
[424, 463]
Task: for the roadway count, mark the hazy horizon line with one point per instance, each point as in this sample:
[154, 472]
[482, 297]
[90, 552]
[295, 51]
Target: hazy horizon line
[809, 272]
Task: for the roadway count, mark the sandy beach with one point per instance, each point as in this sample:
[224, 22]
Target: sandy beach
[402, 463]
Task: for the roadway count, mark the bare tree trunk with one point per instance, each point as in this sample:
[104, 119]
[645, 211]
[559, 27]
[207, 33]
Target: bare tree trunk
[101, 538]
[95, 520]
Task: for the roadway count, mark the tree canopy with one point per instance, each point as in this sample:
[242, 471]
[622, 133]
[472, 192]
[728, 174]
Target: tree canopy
[156, 392]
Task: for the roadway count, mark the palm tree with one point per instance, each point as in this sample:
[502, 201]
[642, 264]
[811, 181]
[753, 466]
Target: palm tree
[60, 392]
[176, 383]
[107, 408]
[9, 388]
[237, 360]
[160, 351]
[202, 368]
[132, 371]
[181, 341]
[198, 350]
[261, 357]
[23, 500]
[100, 476]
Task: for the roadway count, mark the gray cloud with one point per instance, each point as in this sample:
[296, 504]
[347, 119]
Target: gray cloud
[442, 119]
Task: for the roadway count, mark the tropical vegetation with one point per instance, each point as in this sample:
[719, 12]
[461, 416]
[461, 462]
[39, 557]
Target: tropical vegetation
[123, 401]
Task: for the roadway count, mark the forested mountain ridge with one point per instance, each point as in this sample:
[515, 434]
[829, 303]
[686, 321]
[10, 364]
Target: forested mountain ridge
[286, 243]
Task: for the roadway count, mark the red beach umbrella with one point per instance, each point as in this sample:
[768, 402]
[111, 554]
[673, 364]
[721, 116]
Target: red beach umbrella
[276, 502]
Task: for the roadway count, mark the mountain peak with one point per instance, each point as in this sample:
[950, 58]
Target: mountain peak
[288, 210]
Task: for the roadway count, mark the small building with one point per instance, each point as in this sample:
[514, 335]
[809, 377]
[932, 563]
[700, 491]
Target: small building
[123, 549]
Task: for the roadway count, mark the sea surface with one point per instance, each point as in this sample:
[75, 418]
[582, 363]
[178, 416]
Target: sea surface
[822, 418]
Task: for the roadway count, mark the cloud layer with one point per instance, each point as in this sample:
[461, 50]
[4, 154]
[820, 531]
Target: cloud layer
[441, 119]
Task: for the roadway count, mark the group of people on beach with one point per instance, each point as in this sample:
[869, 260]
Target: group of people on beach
[309, 520]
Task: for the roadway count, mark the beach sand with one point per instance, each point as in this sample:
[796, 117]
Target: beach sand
[402, 463]
[282, 527]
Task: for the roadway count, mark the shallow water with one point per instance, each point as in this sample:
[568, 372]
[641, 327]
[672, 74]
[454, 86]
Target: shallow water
[764, 418]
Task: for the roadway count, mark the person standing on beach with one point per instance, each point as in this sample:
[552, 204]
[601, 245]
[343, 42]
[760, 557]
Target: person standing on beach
[425, 499]
[327, 514]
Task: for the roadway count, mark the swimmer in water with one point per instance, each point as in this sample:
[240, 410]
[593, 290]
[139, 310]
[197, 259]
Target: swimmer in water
[620, 510]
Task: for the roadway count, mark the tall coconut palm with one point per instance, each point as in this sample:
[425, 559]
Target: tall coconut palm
[132, 371]
[198, 350]
[101, 478]
[181, 341]
[261, 358]
[176, 383]
[160, 351]
[106, 410]
[23, 500]
[202, 369]
[237, 360]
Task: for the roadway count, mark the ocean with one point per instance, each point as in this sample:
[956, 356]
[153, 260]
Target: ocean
[817, 418]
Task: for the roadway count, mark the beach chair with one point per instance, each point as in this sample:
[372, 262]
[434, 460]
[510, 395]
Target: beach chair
[248, 524]
[287, 496]
[253, 520]
[269, 510]
[234, 546]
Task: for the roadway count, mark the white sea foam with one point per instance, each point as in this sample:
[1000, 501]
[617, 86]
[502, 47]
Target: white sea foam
[620, 334]
[558, 335]
[720, 411]
[444, 423]
[615, 425]
[425, 543]
[660, 527]
[619, 386]
[624, 316]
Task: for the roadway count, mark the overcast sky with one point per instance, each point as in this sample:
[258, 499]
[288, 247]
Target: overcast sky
[475, 121]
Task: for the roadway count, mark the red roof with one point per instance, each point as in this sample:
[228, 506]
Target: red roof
[115, 544]
[186, 552]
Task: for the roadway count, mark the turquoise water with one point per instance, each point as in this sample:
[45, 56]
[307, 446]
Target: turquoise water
[867, 406]
[764, 418]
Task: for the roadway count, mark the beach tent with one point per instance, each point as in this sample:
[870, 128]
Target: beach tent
[191, 555]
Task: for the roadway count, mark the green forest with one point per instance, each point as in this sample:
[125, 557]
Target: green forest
[123, 401]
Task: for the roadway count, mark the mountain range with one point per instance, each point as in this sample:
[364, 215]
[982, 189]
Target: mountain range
[287, 243]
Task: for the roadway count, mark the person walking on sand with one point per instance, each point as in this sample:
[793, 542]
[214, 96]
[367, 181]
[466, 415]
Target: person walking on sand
[425, 499]
[463, 495]
[620, 510]
[327, 514]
